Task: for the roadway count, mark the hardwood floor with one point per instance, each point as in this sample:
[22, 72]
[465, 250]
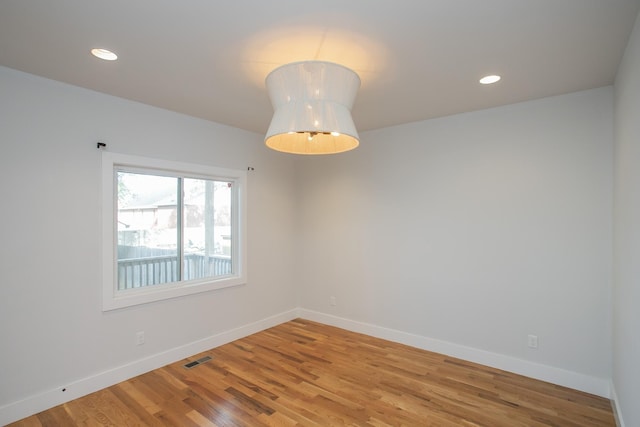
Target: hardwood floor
[303, 373]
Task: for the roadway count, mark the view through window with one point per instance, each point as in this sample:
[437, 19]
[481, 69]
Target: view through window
[171, 229]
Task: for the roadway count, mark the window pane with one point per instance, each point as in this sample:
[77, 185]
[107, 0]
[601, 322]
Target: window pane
[207, 233]
[147, 223]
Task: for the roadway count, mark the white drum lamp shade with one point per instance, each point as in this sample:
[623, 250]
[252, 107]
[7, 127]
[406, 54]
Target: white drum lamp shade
[312, 104]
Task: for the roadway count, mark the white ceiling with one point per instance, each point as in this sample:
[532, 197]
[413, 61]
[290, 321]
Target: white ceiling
[417, 59]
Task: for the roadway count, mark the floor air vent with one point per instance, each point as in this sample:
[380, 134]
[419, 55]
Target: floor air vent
[197, 362]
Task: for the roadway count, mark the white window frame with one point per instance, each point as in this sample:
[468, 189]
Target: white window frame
[112, 298]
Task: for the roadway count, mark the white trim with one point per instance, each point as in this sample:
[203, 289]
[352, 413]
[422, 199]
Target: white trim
[617, 411]
[574, 380]
[33, 404]
[113, 299]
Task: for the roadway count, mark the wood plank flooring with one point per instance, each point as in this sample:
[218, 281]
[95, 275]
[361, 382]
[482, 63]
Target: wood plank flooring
[303, 373]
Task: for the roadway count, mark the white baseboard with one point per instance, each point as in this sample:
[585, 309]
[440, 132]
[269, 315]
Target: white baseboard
[50, 398]
[574, 380]
[616, 408]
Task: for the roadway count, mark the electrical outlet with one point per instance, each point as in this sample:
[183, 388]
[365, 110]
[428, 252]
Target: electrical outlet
[532, 341]
[332, 301]
[140, 338]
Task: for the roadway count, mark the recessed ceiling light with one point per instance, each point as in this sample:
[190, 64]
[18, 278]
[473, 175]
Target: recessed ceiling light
[105, 54]
[487, 80]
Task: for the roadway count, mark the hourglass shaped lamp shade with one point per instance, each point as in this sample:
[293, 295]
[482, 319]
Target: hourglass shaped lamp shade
[312, 103]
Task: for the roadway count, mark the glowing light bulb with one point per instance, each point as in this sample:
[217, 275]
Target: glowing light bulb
[487, 80]
[105, 54]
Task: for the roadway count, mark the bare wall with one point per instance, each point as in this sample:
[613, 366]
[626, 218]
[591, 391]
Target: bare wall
[476, 229]
[626, 297]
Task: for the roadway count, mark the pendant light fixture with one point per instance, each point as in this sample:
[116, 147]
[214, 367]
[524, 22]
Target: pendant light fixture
[312, 103]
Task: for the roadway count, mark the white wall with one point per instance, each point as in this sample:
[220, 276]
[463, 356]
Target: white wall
[475, 230]
[52, 330]
[626, 296]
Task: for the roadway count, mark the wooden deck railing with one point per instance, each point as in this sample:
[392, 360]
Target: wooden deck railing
[139, 272]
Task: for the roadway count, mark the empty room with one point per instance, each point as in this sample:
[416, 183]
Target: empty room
[271, 213]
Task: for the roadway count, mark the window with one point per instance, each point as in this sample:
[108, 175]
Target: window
[169, 229]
